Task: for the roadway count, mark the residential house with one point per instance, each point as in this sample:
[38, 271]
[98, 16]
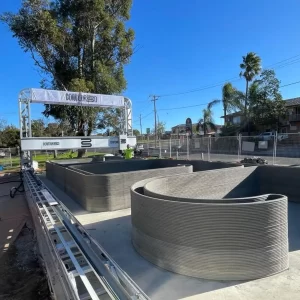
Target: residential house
[292, 124]
[181, 130]
[293, 120]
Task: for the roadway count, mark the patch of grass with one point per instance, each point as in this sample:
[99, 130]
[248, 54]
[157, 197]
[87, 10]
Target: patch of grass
[14, 164]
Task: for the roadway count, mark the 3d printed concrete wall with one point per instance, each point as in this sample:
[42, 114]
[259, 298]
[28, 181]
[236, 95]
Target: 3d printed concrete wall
[106, 186]
[194, 225]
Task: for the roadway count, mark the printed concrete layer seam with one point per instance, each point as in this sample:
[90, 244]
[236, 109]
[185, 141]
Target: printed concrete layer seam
[205, 238]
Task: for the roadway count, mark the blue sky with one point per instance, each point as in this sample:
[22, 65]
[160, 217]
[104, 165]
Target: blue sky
[183, 45]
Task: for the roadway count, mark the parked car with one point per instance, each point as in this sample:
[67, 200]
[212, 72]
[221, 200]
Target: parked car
[266, 136]
[139, 147]
[2, 154]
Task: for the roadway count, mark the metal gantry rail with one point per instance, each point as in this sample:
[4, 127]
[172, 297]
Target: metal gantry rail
[85, 267]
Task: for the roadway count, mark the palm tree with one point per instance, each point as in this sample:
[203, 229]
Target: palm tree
[251, 66]
[230, 99]
[207, 121]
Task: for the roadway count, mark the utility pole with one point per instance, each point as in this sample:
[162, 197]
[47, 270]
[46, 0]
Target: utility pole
[141, 124]
[154, 99]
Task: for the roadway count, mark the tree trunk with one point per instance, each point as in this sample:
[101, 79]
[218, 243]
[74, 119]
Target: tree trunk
[93, 49]
[246, 109]
[225, 114]
[80, 62]
[80, 132]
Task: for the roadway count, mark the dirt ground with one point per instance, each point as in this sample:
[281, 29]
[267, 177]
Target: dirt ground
[21, 274]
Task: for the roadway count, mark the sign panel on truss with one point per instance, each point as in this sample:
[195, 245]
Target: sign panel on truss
[28, 144]
[75, 98]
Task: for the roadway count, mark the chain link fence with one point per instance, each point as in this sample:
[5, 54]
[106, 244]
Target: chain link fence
[283, 149]
[288, 149]
[275, 148]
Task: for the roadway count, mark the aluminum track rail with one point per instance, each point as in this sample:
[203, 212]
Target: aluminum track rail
[86, 268]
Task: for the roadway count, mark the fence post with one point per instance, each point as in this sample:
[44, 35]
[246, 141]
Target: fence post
[159, 148]
[170, 146]
[208, 149]
[10, 157]
[239, 138]
[275, 147]
[187, 148]
[148, 143]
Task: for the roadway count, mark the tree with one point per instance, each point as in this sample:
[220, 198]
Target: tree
[267, 107]
[56, 129]
[230, 99]
[10, 137]
[38, 127]
[160, 128]
[2, 124]
[136, 132]
[81, 45]
[251, 67]
[207, 121]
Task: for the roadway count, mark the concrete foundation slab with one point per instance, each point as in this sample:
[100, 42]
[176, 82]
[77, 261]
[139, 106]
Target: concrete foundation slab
[113, 231]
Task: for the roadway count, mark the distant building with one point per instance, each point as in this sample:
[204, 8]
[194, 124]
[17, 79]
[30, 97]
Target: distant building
[181, 130]
[292, 124]
[293, 120]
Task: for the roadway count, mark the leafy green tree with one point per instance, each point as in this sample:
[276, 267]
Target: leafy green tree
[251, 67]
[38, 127]
[56, 129]
[207, 121]
[230, 99]
[10, 137]
[267, 107]
[81, 45]
[136, 132]
[160, 128]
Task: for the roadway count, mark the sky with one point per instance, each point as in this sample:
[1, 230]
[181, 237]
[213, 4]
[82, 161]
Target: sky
[182, 46]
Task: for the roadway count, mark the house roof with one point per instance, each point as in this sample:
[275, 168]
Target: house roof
[288, 103]
[195, 124]
[237, 113]
[292, 102]
[183, 125]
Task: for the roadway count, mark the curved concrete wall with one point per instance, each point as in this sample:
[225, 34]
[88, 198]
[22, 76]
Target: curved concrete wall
[280, 179]
[207, 237]
[107, 190]
[105, 186]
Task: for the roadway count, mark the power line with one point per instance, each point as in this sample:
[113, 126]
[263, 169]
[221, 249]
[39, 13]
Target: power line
[144, 117]
[290, 84]
[181, 107]
[278, 65]
[197, 105]
[237, 78]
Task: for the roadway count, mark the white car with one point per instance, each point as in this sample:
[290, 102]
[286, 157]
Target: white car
[2, 154]
[139, 147]
[266, 136]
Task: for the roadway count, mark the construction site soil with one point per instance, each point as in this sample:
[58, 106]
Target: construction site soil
[21, 273]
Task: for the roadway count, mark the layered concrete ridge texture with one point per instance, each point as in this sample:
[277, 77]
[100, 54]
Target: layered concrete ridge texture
[225, 224]
[105, 186]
